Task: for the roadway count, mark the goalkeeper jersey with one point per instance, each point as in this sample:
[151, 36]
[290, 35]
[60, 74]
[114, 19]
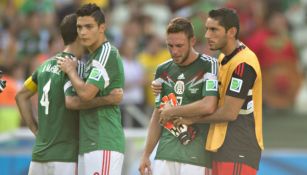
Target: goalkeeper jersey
[57, 138]
[100, 128]
[189, 83]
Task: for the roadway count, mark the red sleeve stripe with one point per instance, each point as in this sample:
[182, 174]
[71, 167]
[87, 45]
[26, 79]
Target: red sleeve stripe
[237, 70]
[240, 70]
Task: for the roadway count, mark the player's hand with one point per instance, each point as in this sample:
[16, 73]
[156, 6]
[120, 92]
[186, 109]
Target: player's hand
[117, 91]
[156, 87]
[145, 166]
[165, 114]
[117, 95]
[67, 65]
[183, 121]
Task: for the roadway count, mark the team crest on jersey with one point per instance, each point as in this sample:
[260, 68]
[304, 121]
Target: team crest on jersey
[236, 84]
[211, 85]
[95, 74]
[179, 87]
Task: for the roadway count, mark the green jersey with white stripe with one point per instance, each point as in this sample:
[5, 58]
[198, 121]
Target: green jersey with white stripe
[100, 128]
[189, 83]
[58, 127]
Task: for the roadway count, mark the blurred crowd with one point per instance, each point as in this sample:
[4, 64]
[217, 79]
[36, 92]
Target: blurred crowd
[274, 29]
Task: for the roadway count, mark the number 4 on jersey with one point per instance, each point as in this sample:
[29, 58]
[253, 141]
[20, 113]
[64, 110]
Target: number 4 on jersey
[45, 100]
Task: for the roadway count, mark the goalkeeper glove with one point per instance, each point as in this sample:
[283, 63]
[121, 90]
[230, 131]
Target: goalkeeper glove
[184, 133]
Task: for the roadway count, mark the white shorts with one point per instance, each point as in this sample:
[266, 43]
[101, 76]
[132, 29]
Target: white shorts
[164, 167]
[53, 168]
[101, 162]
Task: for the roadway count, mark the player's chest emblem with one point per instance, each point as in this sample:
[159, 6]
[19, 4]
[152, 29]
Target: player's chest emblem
[179, 87]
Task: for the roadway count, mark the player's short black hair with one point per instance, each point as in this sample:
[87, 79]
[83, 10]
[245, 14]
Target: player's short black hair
[180, 24]
[227, 18]
[92, 10]
[68, 28]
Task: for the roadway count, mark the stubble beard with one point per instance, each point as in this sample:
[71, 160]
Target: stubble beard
[186, 56]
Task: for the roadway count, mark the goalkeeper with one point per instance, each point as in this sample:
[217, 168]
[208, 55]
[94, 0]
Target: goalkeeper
[191, 76]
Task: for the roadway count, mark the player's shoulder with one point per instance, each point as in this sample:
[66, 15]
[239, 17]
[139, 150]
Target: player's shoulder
[103, 53]
[246, 51]
[107, 48]
[208, 59]
[51, 61]
[165, 63]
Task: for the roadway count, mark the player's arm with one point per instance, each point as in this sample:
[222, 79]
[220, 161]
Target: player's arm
[84, 90]
[76, 103]
[23, 100]
[243, 78]
[153, 136]
[228, 112]
[205, 106]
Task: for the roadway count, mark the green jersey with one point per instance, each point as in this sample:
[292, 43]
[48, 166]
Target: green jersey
[101, 128]
[57, 138]
[189, 83]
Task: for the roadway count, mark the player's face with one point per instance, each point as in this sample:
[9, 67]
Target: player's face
[216, 35]
[179, 47]
[89, 32]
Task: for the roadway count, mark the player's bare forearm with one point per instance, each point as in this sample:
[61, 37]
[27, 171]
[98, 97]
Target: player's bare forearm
[213, 118]
[23, 100]
[153, 136]
[219, 116]
[154, 133]
[79, 85]
[228, 112]
[114, 98]
[76, 103]
[205, 106]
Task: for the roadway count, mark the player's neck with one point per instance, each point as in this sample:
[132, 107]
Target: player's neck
[97, 44]
[68, 49]
[193, 55]
[230, 47]
[73, 49]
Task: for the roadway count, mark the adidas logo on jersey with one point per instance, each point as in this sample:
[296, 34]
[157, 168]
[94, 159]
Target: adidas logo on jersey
[181, 77]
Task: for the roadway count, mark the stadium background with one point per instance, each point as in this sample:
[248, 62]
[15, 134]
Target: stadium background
[276, 29]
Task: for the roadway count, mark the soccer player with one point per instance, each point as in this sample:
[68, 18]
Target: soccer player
[191, 76]
[102, 139]
[56, 146]
[235, 135]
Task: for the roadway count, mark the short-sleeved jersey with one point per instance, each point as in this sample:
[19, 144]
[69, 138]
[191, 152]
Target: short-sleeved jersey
[101, 128]
[189, 83]
[57, 138]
